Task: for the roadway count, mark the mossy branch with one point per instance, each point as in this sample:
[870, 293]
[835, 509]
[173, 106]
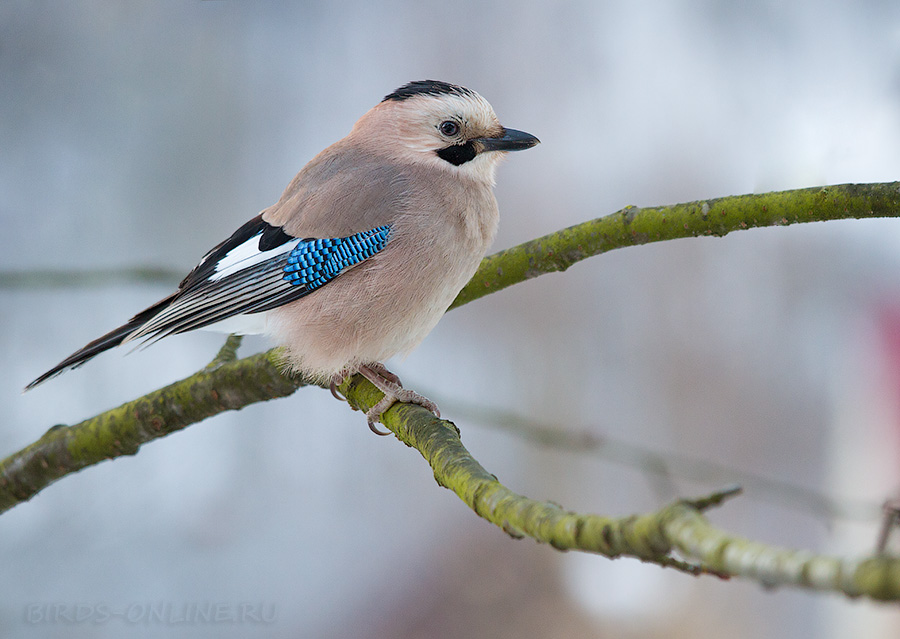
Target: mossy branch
[633, 226]
[225, 385]
[677, 536]
[230, 384]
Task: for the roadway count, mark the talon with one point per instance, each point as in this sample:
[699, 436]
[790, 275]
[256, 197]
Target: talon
[336, 380]
[374, 414]
[375, 430]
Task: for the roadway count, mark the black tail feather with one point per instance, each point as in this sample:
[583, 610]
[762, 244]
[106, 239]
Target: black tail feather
[110, 340]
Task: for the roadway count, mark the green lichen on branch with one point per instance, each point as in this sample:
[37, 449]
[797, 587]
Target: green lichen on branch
[121, 431]
[717, 217]
[876, 577]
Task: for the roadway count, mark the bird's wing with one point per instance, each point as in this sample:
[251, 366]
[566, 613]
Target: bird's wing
[337, 212]
[258, 268]
[344, 190]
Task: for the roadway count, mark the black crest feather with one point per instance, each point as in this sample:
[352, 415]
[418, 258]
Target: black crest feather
[425, 87]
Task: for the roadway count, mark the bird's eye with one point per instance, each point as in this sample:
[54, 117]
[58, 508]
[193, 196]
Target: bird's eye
[449, 128]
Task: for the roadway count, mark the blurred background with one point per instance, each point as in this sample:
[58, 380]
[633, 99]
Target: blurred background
[139, 135]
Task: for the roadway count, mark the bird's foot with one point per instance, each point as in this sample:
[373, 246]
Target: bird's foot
[389, 384]
[381, 369]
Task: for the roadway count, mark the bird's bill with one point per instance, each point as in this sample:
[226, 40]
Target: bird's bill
[511, 140]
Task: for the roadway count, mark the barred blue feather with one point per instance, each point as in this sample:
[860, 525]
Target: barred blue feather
[315, 262]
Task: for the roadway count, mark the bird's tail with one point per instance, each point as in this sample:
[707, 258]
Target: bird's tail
[110, 340]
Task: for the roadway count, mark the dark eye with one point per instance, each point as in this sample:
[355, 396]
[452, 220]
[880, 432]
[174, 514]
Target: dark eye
[449, 128]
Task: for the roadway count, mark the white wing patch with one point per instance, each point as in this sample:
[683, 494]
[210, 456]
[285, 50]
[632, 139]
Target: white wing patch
[246, 255]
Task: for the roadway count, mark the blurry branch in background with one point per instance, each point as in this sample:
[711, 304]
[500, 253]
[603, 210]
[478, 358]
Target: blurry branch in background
[95, 277]
[677, 536]
[665, 464]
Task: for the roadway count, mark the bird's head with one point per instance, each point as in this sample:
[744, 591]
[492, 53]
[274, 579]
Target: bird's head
[441, 125]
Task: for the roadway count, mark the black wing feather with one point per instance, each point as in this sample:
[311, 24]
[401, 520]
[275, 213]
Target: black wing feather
[198, 290]
[224, 285]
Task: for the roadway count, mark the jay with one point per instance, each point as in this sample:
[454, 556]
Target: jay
[363, 253]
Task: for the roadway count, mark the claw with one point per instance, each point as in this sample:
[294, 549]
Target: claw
[389, 384]
[336, 380]
[374, 414]
[375, 429]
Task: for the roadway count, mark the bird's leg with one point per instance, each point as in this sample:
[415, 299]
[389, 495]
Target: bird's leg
[389, 384]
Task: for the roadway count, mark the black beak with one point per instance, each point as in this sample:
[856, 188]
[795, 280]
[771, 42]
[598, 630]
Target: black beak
[511, 140]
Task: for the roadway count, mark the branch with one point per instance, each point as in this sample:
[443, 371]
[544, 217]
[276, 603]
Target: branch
[680, 527]
[633, 226]
[658, 537]
[52, 278]
[121, 431]
[876, 577]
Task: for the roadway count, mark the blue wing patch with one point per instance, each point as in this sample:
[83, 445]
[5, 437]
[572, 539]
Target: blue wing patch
[316, 262]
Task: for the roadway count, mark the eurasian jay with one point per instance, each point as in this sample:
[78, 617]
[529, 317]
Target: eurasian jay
[364, 252]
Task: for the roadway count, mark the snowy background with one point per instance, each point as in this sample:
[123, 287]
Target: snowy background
[141, 134]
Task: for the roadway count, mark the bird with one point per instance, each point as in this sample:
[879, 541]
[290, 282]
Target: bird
[362, 254]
